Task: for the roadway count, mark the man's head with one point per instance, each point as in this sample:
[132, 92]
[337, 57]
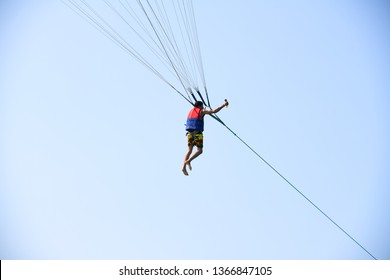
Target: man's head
[198, 104]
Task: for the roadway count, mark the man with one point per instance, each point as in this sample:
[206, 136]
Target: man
[195, 127]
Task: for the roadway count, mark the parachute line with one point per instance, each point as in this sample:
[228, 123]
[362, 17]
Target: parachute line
[295, 188]
[156, 33]
[175, 68]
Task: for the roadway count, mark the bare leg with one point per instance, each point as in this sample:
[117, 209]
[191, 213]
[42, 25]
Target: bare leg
[194, 156]
[186, 160]
[189, 165]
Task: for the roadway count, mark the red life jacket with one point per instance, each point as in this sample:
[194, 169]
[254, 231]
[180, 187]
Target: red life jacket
[194, 121]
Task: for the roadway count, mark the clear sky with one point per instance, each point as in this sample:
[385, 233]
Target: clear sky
[92, 143]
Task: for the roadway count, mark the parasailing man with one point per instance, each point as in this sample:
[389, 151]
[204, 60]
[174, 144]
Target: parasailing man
[195, 127]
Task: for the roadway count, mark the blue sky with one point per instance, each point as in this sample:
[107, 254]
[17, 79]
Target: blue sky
[92, 143]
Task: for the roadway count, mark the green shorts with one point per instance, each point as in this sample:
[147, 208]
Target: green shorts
[195, 139]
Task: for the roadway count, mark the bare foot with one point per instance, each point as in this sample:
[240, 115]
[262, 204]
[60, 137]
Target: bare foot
[185, 170]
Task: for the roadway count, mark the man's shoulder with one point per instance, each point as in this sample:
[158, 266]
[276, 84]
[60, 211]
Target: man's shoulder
[205, 112]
